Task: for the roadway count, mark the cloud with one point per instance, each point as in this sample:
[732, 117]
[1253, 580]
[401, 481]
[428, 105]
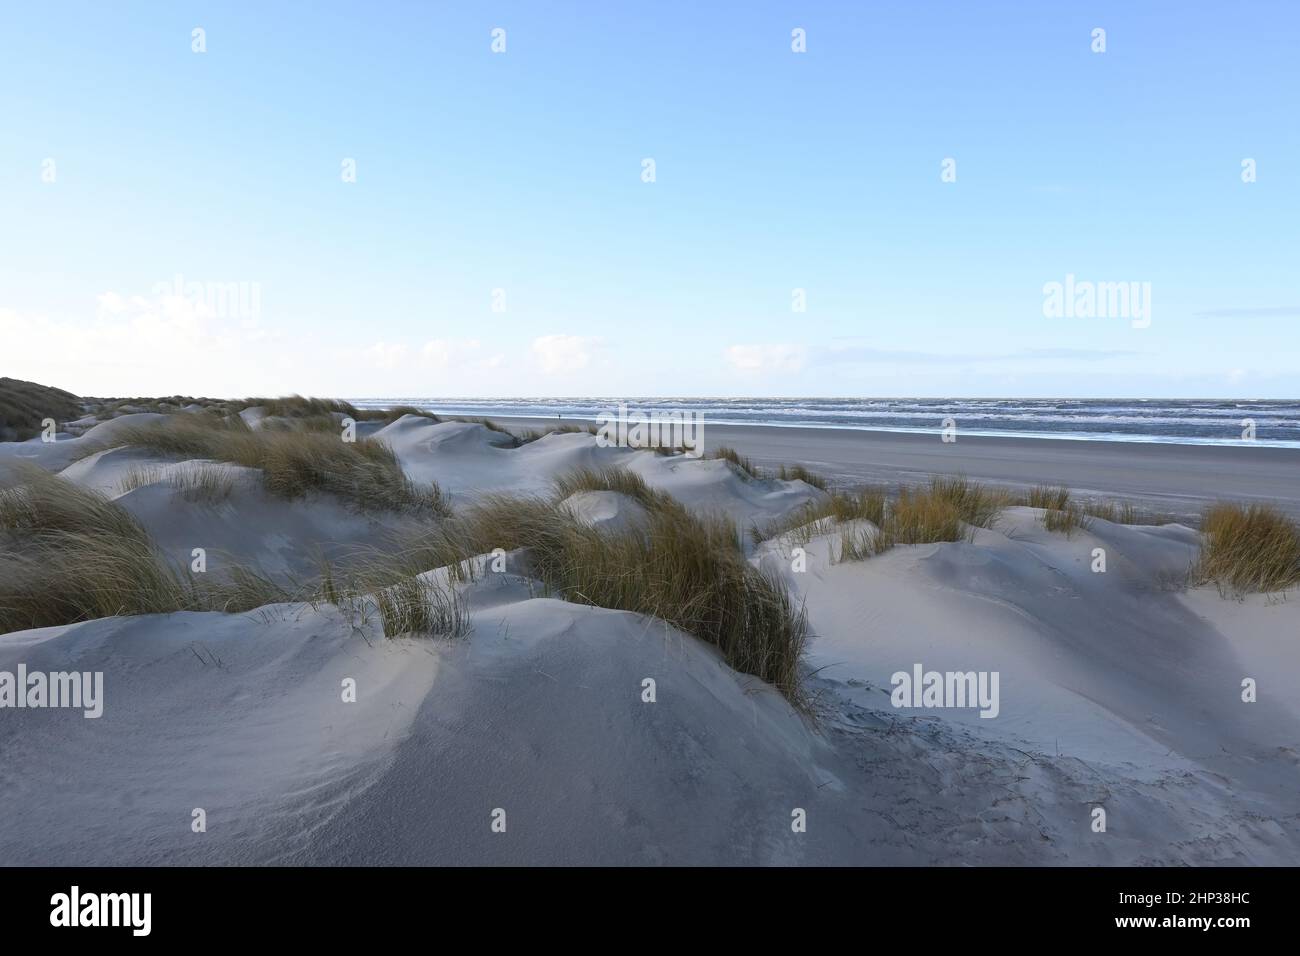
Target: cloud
[562, 354]
[443, 353]
[767, 358]
[383, 355]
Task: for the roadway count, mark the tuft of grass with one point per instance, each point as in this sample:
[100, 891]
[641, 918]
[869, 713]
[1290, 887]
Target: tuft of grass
[533, 434]
[1124, 513]
[365, 473]
[801, 524]
[296, 406]
[858, 544]
[202, 483]
[621, 480]
[928, 516]
[138, 477]
[24, 405]
[800, 473]
[679, 567]
[68, 554]
[417, 607]
[1047, 496]
[1248, 548]
[1067, 520]
[391, 415]
[741, 464]
[974, 503]
[690, 572]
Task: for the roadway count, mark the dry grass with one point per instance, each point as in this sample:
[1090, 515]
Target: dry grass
[858, 544]
[943, 511]
[533, 434]
[1248, 548]
[1066, 520]
[800, 473]
[139, 476]
[68, 554]
[1060, 514]
[1124, 513]
[621, 480]
[417, 607]
[740, 463]
[691, 572]
[681, 568]
[202, 484]
[803, 523]
[926, 517]
[24, 405]
[1047, 496]
[294, 464]
[976, 504]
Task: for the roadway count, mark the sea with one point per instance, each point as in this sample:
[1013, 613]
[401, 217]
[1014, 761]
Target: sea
[1175, 421]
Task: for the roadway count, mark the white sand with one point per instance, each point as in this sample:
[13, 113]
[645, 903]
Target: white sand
[1116, 690]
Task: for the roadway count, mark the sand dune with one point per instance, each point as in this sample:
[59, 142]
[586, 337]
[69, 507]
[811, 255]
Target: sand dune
[1119, 690]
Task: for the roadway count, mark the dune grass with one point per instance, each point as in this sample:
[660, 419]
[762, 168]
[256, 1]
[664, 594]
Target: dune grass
[200, 482]
[364, 473]
[1066, 520]
[621, 480]
[976, 504]
[920, 516]
[1048, 496]
[1248, 548]
[689, 571]
[800, 525]
[739, 462]
[858, 543]
[800, 473]
[682, 568]
[1060, 513]
[68, 554]
[414, 606]
[139, 476]
[1116, 513]
[24, 405]
[747, 469]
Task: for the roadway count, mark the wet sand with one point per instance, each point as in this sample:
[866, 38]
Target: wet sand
[1174, 479]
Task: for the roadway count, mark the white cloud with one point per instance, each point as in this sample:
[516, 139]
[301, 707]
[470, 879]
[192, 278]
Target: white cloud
[562, 354]
[767, 358]
[131, 343]
[385, 355]
[442, 353]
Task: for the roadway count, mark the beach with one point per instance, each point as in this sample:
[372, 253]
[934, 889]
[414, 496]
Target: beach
[984, 694]
[1166, 478]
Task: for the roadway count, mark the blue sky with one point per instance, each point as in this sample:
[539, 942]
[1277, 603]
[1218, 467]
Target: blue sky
[522, 172]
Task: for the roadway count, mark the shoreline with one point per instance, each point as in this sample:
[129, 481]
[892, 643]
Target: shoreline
[1165, 477]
